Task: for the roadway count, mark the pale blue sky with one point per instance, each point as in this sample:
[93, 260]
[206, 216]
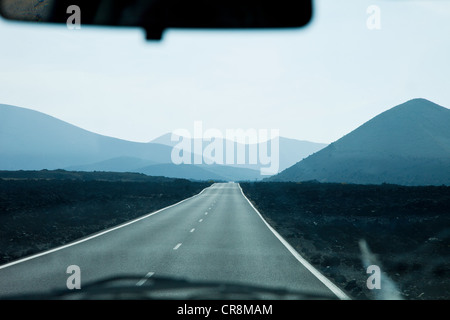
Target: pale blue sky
[317, 83]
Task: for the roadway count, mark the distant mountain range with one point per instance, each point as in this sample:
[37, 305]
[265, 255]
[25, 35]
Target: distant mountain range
[30, 140]
[290, 150]
[407, 145]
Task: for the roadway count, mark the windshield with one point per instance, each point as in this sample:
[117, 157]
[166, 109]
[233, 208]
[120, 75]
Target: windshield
[308, 163]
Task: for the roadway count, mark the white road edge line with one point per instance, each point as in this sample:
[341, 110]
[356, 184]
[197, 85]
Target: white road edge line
[327, 282]
[177, 246]
[99, 233]
[143, 280]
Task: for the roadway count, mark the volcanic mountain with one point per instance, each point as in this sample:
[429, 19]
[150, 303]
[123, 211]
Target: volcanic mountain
[408, 145]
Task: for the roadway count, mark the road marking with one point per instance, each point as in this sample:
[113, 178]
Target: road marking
[177, 246]
[206, 213]
[192, 230]
[99, 233]
[142, 281]
[330, 285]
[200, 220]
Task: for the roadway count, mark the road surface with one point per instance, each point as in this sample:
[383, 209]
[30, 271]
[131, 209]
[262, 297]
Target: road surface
[216, 235]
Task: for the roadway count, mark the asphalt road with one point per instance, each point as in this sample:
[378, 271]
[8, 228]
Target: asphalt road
[216, 235]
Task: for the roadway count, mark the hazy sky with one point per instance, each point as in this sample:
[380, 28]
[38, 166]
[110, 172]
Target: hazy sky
[316, 83]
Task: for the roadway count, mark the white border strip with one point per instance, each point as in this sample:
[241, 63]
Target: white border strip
[97, 234]
[330, 285]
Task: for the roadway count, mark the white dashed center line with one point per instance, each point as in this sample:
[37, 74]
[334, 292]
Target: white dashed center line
[206, 213]
[142, 281]
[177, 246]
[192, 230]
[200, 220]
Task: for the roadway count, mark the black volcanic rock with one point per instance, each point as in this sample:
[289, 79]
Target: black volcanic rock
[408, 145]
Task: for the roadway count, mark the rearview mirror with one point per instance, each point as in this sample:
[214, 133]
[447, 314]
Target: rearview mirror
[155, 16]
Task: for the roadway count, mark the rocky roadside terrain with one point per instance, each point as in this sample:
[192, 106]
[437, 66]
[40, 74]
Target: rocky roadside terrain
[407, 229]
[40, 210]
